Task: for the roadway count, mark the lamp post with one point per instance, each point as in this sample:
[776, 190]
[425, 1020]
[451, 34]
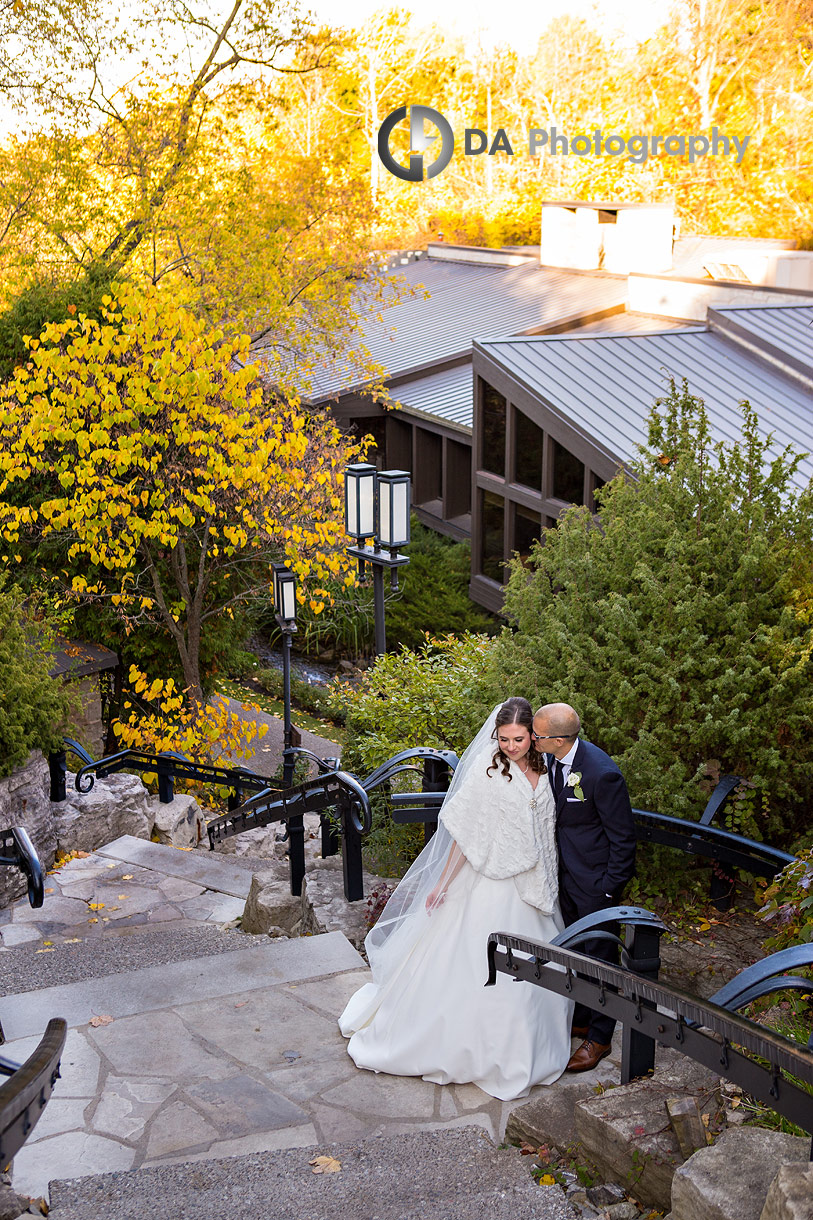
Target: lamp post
[376, 506]
[285, 607]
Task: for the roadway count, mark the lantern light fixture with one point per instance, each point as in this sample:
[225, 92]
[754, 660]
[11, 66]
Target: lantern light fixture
[360, 500]
[284, 593]
[393, 508]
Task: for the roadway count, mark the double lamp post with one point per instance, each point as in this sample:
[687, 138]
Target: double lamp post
[376, 507]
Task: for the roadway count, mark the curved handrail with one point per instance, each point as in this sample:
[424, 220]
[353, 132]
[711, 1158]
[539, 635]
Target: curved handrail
[24, 1095]
[321, 763]
[697, 832]
[23, 855]
[381, 772]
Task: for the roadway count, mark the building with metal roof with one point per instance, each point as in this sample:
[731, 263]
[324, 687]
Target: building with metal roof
[516, 387]
[555, 417]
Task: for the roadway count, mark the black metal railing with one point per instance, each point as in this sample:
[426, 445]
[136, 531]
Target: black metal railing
[726, 850]
[343, 826]
[25, 1094]
[765, 1064]
[17, 851]
[331, 790]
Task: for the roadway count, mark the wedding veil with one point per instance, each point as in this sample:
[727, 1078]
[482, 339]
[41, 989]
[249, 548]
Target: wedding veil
[404, 918]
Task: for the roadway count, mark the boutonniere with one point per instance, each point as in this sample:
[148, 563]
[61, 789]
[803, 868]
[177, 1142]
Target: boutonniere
[574, 781]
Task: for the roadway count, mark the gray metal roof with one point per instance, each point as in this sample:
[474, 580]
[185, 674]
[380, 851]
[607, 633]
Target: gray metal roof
[605, 387]
[446, 395]
[449, 393]
[782, 331]
[468, 301]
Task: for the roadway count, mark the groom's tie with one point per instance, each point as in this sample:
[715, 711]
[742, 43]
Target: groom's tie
[557, 779]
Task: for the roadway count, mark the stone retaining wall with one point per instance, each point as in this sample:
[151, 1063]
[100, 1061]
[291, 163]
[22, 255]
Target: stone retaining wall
[118, 805]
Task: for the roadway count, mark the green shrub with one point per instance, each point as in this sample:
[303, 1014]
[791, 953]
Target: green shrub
[34, 707]
[680, 627]
[437, 696]
[43, 302]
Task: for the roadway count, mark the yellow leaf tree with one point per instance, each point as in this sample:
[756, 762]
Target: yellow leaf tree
[151, 452]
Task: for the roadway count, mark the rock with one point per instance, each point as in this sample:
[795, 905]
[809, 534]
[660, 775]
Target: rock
[324, 906]
[179, 823]
[790, 1194]
[549, 1119]
[24, 802]
[730, 1180]
[626, 1131]
[259, 844]
[605, 1195]
[622, 1211]
[11, 1205]
[687, 1124]
[270, 903]
[115, 806]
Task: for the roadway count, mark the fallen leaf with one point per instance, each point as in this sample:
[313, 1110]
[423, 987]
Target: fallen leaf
[706, 1119]
[121, 897]
[93, 920]
[113, 865]
[735, 1101]
[100, 1019]
[50, 891]
[547, 1179]
[127, 877]
[242, 1004]
[73, 940]
[639, 1131]
[47, 942]
[95, 906]
[325, 1164]
[49, 950]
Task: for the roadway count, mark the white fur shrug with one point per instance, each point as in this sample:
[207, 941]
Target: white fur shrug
[508, 830]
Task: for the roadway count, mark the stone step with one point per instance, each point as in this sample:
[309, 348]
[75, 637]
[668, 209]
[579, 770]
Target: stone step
[28, 967]
[448, 1175]
[262, 964]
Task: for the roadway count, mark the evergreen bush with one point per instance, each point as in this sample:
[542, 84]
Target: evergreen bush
[680, 623]
[34, 707]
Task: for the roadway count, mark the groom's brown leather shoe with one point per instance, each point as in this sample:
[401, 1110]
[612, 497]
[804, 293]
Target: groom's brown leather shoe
[587, 1056]
[579, 1031]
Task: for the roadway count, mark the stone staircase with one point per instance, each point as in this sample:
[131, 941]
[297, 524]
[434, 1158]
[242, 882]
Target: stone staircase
[440, 1175]
[204, 1068]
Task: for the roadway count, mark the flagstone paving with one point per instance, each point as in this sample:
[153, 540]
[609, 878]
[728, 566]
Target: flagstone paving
[227, 1051]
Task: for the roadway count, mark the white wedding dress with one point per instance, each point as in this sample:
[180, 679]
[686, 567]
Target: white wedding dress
[427, 1012]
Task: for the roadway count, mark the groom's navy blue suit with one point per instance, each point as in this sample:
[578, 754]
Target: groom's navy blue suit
[596, 840]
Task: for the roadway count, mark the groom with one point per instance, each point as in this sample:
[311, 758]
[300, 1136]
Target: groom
[595, 833]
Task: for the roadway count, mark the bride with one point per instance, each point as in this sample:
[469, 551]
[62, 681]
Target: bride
[492, 866]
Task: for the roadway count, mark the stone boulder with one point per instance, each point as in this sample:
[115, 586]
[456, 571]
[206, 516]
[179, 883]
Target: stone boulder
[324, 906]
[550, 1118]
[270, 905]
[626, 1131]
[115, 806]
[180, 823]
[790, 1194]
[24, 802]
[731, 1179]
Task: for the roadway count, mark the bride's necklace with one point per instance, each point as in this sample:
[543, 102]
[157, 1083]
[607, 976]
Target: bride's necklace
[525, 771]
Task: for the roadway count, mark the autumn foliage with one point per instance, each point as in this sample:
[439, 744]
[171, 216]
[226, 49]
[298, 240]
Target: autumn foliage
[148, 449]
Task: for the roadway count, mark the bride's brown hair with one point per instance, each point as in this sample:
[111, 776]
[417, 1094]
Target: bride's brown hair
[516, 710]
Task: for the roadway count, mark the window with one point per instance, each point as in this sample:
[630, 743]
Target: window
[527, 452]
[493, 526]
[527, 530]
[493, 430]
[568, 476]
